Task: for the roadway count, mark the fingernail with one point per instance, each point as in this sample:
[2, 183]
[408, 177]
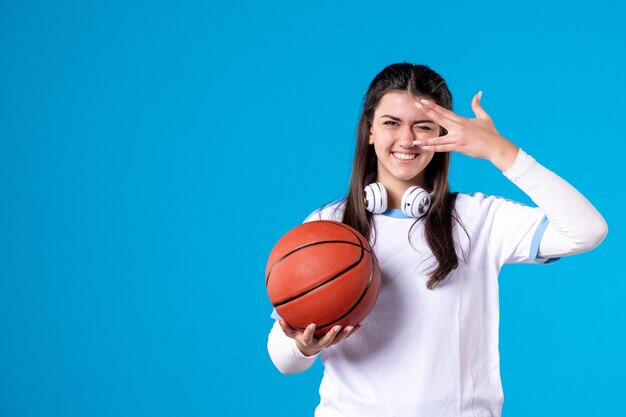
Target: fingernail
[426, 102]
[312, 326]
[426, 148]
[417, 142]
[419, 106]
[480, 94]
[336, 328]
[348, 329]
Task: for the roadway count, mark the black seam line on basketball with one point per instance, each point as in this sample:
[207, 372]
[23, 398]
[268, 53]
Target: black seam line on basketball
[369, 282]
[334, 277]
[314, 244]
[355, 235]
[309, 245]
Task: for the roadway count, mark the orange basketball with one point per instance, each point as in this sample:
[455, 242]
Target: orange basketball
[322, 272]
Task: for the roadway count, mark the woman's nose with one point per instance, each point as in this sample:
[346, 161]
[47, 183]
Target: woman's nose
[407, 136]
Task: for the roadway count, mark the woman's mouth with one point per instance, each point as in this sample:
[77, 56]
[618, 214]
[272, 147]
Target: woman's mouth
[404, 156]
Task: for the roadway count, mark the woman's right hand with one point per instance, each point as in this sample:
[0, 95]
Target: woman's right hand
[310, 345]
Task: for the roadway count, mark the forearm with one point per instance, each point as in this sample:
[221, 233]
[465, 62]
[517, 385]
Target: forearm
[575, 224]
[284, 353]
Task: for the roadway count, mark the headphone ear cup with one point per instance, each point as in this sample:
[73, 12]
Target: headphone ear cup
[375, 198]
[415, 202]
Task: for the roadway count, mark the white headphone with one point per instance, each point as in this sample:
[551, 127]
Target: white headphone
[415, 200]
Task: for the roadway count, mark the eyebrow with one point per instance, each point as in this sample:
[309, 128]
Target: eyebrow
[397, 119]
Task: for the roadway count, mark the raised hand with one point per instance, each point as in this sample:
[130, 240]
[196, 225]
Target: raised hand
[477, 137]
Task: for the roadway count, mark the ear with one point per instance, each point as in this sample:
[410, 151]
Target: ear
[371, 140]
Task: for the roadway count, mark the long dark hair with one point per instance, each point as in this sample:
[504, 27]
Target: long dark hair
[416, 80]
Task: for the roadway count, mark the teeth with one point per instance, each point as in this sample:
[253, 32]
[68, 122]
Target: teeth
[405, 156]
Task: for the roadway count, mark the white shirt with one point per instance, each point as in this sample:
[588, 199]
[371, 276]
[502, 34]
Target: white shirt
[424, 352]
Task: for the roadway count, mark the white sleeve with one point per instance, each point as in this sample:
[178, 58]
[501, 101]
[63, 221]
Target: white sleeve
[510, 230]
[285, 354]
[575, 225]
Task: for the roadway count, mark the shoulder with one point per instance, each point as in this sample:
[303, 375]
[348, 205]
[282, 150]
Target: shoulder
[468, 204]
[479, 206]
[330, 211]
[482, 201]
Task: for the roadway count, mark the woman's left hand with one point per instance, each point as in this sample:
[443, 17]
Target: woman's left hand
[477, 137]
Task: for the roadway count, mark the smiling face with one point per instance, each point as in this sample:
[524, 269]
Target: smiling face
[397, 122]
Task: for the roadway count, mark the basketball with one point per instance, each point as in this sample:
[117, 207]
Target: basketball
[322, 272]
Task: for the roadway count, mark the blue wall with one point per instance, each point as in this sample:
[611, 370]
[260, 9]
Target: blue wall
[151, 154]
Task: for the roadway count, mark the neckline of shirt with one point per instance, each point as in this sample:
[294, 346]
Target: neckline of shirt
[396, 214]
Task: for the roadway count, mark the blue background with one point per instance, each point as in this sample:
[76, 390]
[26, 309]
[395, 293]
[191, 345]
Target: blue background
[151, 154]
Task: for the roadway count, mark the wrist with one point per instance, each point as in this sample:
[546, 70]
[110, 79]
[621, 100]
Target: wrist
[306, 352]
[504, 156]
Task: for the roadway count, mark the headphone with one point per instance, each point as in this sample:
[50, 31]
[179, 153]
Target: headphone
[415, 200]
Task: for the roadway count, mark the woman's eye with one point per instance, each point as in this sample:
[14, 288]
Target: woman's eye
[389, 121]
[424, 128]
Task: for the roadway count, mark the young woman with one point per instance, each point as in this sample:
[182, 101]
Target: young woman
[430, 345]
